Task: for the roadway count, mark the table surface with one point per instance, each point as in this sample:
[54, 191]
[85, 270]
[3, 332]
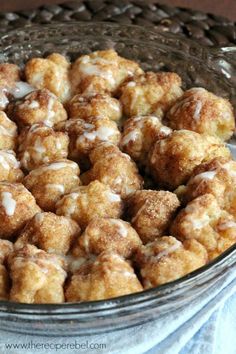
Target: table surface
[208, 29]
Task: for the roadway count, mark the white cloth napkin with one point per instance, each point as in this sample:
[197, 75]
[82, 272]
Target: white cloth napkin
[194, 329]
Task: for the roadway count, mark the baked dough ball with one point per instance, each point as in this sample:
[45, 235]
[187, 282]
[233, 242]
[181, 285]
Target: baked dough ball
[50, 73]
[6, 247]
[114, 168]
[203, 112]
[167, 259]
[150, 93]
[37, 277]
[9, 74]
[17, 206]
[173, 159]
[40, 106]
[101, 72]
[40, 144]
[204, 221]
[102, 105]
[107, 234]
[10, 167]
[226, 229]
[8, 132]
[50, 232]
[48, 183]
[152, 212]
[88, 202]
[107, 277]
[85, 135]
[217, 177]
[139, 134]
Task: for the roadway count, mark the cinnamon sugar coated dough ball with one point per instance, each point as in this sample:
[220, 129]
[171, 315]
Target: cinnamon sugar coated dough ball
[217, 177]
[11, 86]
[152, 212]
[107, 277]
[17, 206]
[173, 159]
[114, 168]
[204, 221]
[50, 232]
[9, 74]
[107, 234]
[48, 183]
[150, 93]
[88, 202]
[8, 132]
[10, 167]
[37, 277]
[50, 73]
[40, 106]
[167, 259]
[101, 72]
[40, 144]
[139, 134]
[102, 105]
[6, 248]
[85, 135]
[203, 112]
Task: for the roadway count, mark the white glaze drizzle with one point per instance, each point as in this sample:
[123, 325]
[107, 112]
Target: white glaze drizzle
[58, 187]
[8, 203]
[197, 111]
[122, 229]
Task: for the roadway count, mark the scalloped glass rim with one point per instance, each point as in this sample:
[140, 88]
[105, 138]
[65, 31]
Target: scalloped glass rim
[121, 306]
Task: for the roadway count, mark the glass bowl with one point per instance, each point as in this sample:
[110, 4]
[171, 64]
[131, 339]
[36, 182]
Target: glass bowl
[213, 69]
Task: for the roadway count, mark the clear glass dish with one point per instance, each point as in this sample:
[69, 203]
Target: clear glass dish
[213, 69]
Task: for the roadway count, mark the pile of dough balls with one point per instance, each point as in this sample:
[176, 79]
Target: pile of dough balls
[112, 180]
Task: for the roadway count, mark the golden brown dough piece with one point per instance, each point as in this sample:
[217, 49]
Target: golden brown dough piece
[107, 277]
[150, 93]
[152, 212]
[50, 73]
[85, 135]
[37, 277]
[203, 112]
[101, 72]
[102, 105]
[40, 106]
[88, 202]
[6, 248]
[107, 234]
[50, 232]
[17, 206]
[139, 134]
[48, 183]
[167, 259]
[8, 132]
[9, 75]
[173, 159]
[10, 167]
[40, 144]
[217, 177]
[204, 221]
[114, 168]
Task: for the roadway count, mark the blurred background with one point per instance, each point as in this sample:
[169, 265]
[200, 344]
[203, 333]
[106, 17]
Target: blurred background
[210, 22]
[225, 8]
